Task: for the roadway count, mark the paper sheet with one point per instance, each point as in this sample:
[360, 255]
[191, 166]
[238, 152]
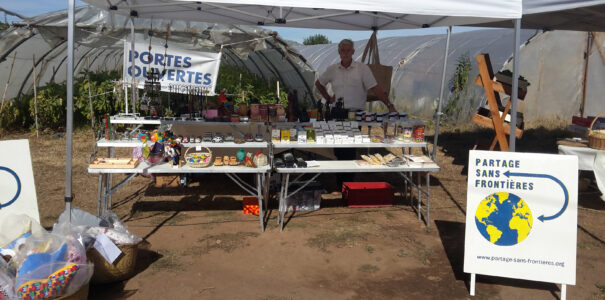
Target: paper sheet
[107, 248]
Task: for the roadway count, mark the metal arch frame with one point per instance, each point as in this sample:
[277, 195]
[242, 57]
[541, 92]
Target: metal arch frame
[20, 93]
[309, 89]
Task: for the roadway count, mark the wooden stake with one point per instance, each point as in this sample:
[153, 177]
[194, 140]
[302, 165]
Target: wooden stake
[92, 113]
[35, 94]
[7, 82]
[585, 79]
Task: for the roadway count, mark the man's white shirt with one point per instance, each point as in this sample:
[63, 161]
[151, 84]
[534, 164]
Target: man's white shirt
[352, 83]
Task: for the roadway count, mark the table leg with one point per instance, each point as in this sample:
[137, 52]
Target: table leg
[99, 194]
[281, 195]
[284, 200]
[418, 185]
[260, 202]
[428, 200]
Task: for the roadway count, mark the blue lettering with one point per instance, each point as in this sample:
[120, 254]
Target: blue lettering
[177, 61]
[198, 77]
[137, 71]
[187, 62]
[136, 54]
[159, 59]
[190, 75]
[146, 57]
[171, 75]
[169, 58]
[180, 75]
[208, 79]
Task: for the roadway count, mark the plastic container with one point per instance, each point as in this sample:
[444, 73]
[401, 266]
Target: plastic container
[368, 194]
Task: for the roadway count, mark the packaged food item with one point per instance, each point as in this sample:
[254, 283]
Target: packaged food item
[390, 130]
[293, 133]
[310, 135]
[418, 134]
[399, 132]
[302, 136]
[285, 136]
[275, 135]
[407, 133]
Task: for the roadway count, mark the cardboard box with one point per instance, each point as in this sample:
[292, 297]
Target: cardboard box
[167, 181]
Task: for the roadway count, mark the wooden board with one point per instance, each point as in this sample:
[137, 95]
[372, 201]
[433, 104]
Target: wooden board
[487, 122]
[502, 88]
[114, 163]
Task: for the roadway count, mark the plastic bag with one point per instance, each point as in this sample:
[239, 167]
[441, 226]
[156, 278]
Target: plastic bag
[7, 281]
[117, 231]
[51, 265]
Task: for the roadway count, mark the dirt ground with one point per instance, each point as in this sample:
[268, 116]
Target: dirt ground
[201, 246]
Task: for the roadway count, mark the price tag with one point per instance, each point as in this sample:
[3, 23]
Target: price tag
[198, 148]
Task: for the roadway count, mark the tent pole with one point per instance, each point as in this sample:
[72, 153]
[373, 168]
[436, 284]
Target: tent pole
[69, 112]
[513, 111]
[438, 114]
[132, 86]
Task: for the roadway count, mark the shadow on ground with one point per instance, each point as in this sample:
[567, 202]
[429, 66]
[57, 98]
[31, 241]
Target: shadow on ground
[452, 238]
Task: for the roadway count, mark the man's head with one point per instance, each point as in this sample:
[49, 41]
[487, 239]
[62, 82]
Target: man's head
[346, 50]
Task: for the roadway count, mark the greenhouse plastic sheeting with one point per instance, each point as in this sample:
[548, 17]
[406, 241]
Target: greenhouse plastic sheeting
[100, 40]
[555, 72]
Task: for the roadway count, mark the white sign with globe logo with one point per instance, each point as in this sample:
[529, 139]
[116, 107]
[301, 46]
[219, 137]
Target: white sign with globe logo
[521, 219]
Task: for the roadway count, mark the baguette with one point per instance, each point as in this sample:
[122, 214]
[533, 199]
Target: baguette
[375, 160]
[380, 158]
[367, 159]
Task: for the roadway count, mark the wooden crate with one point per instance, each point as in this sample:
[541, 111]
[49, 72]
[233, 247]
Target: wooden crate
[167, 181]
[114, 163]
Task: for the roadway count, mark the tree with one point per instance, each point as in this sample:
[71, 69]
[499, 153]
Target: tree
[316, 40]
[4, 26]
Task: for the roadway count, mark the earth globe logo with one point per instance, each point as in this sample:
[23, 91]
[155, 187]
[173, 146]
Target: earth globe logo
[503, 219]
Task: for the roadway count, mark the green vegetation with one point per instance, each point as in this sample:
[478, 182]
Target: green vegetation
[458, 87]
[20, 113]
[107, 98]
[256, 89]
[4, 26]
[316, 40]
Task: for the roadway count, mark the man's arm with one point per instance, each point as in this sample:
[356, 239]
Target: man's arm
[323, 91]
[383, 97]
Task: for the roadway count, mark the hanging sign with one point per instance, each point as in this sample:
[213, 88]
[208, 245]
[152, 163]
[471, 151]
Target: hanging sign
[521, 217]
[17, 189]
[179, 70]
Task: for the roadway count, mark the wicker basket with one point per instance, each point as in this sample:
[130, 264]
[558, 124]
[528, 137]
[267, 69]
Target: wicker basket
[198, 159]
[596, 138]
[81, 294]
[122, 268]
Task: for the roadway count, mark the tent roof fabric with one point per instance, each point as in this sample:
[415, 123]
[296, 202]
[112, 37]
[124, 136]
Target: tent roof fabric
[580, 15]
[334, 14]
[100, 40]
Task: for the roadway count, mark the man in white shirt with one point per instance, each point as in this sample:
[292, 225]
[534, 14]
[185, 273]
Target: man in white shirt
[350, 80]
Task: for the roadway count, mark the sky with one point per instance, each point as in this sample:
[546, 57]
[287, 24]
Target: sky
[30, 8]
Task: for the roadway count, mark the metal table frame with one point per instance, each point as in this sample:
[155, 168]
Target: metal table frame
[351, 167]
[260, 190]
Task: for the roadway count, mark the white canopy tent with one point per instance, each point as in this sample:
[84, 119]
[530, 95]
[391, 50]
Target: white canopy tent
[335, 14]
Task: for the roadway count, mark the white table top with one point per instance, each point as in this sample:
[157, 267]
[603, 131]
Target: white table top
[349, 166]
[166, 168]
[351, 145]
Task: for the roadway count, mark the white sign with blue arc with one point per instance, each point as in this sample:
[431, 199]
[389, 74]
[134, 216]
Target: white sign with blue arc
[17, 188]
[17, 183]
[520, 206]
